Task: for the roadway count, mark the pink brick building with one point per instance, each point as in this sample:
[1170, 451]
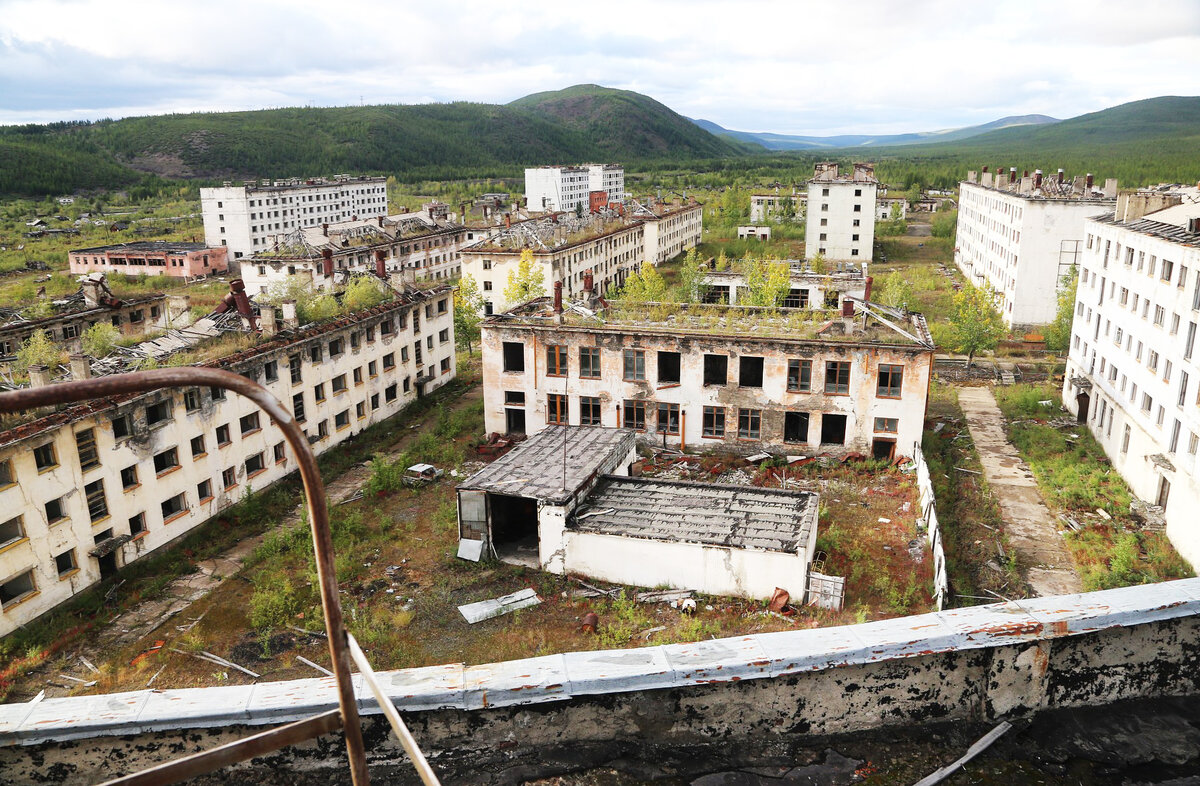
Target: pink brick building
[151, 258]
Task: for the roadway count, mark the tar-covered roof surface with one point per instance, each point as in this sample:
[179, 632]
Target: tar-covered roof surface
[718, 515]
[537, 467]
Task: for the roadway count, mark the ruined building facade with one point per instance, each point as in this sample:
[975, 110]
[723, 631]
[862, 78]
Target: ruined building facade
[841, 213]
[90, 488]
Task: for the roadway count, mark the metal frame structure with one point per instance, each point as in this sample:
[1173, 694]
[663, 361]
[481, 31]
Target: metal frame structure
[342, 648]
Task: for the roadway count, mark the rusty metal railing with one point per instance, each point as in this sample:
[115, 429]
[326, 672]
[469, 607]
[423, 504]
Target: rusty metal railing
[342, 648]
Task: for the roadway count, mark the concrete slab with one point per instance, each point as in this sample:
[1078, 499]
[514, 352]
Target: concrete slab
[1031, 528]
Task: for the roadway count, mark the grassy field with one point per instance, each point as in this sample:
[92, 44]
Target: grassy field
[1076, 478]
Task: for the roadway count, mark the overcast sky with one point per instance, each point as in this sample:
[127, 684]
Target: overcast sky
[868, 66]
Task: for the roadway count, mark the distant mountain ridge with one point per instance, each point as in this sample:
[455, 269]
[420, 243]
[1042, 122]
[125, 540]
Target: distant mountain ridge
[773, 141]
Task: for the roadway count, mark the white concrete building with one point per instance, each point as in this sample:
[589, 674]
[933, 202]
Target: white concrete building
[427, 245]
[1020, 236]
[1133, 375]
[841, 213]
[244, 217]
[607, 245]
[700, 376]
[88, 489]
[777, 204]
[569, 187]
[809, 290]
[563, 501]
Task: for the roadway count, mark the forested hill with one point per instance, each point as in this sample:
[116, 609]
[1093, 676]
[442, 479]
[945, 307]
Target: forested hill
[438, 140]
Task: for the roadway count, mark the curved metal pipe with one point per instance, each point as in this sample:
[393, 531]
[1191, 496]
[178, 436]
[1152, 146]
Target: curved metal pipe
[318, 511]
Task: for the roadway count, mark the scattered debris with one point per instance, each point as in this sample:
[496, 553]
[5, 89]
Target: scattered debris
[1152, 518]
[318, 633]
[89, 665]
[158, 645]
[470, 550]
[1102, 513]
[646, 634]
[84, 683]
[757, 457]
[487, 609]
[969, 471]
[316, 666]
[591, 622]
[208, 656]
[663, 596]
[152, 679]
[980, 745]
[779, 600]
[687, 606]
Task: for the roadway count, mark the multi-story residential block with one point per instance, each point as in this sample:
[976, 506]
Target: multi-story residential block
[1020, 236]
[427, 244]
[244, 217]
[884, 205]
[568, 187]
[1132, 374]
[841, 213]
[93, 303]
[768, 204]
[88, 489]
[151, 258]
[809, 289]
[608, 245]
[700, 375]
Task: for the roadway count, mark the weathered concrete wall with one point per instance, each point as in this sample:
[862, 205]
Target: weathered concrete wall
[500, 723]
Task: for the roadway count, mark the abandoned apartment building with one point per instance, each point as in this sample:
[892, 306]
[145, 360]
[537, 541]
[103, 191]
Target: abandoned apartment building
[564, 501]
[704, 376]
[808, 289]
[92, 304]
[426, 244]
[92, 487]
[151, 258]
[609, 243]
[841, 212]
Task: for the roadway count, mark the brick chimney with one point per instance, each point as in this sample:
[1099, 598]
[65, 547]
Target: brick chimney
[267, 321]
[81, 367]
[39, 376]
[327, 262]
[290, 320]
[380, 264]
[325, 230]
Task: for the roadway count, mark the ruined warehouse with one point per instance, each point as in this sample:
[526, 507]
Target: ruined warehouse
[90, 488]
[705, 376]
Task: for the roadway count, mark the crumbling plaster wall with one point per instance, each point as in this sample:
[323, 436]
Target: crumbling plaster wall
[714, 708]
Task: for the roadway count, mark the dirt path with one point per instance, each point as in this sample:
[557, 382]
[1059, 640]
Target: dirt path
[1030, 525]
[180, 594]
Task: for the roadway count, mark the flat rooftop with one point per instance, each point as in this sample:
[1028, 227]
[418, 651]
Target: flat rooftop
[145, 246]
[1164, 224]
[552, 464]
[744, 517]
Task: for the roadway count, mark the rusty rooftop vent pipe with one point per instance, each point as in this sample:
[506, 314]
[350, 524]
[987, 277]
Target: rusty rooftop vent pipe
[327, 262]
[325, 230]
[558, 297]
[867, 291]
[588, 282]
[380, 264]
[985, 167]
[380, 219]
[1090, 180]
[1012, 174]
[1061, 175]
[1037, 178]
[847, 308]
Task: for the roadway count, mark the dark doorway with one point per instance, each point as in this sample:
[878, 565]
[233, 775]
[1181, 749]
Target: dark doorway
[108, 565]
[514, 528]
[833, 429]
[1164, 491]
[514, 421]
[1084, 402]
[883, 448]
[795, 427]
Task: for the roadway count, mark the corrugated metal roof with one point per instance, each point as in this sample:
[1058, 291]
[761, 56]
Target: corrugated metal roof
[716, 515]
[559, 677]
[536, 468]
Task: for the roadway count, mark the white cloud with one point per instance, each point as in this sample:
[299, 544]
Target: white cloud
[871, 66]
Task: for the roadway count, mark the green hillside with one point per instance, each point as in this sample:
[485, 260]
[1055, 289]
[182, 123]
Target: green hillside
[621, 120]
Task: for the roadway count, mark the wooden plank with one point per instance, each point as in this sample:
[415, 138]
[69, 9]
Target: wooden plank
[231, 753]
[979, 747]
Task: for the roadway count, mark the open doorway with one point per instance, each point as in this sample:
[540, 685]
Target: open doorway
[1084, 402]
[108, 565]
[1164, 491]
[515, 529]
[514, 421]
[833, 429]
[883, 448]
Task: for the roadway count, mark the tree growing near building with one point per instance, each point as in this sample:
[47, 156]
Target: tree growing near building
[897, 291]
[768, 282]
[39, 350]
[645, 286]
[817, 264]
[364, 292]
[975, 325]
[527, 281]
[944, 224]
[100, 339]
[468, 303]
[691, 287]
[1058, 332]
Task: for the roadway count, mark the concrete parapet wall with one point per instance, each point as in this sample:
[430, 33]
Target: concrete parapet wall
[499, 722]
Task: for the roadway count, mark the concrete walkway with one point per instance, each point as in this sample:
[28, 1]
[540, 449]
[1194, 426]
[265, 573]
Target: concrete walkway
[1030, 526]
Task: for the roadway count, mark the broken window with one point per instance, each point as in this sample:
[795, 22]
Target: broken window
[65, 563]
[121, 426]
[833, 429]
[173, 506]
[56, 510]
[714, 422]
[832, 297]
[796, 298]
[248, 423]
[514, 398]
[556, 360]
[12, 531]
[890, 379]
[44, 457]
[589, 411]
[795, 427]
[168, 459]
[85, 442]
[589, 362]
[799, 379]
[635, 364]
[129, 477]
[887, 425]
[255, 464]
[17, 589]
[716, 369]
[668, 368]
[750, 372]
[97, 504]
[556, 408]
[514, 356]
[668, 419]
[837, 377]
[298, 408]
[749, 423]
[635, 415]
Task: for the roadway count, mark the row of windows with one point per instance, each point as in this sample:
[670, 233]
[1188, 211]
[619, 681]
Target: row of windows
[750, 374]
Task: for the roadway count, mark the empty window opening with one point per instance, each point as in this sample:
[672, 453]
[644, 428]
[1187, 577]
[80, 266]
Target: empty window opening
[750, 372]
[795, 427]
[833, 429]
[668, 368]
[514, 356]
[716, 369]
